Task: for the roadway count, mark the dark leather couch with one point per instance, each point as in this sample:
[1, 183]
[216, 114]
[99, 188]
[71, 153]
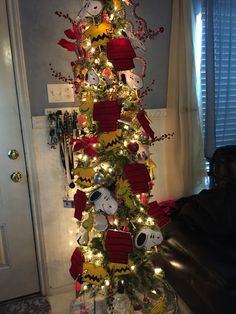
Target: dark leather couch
[199, 251]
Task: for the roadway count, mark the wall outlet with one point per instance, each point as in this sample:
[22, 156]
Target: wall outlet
[60, 93]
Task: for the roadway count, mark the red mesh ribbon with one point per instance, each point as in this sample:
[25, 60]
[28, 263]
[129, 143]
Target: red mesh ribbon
[143, 120]
[86, 143]
[71, 34]
[80, 200]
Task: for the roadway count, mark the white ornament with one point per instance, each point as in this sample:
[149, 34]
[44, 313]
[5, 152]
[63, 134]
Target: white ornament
[136, 43]
[90, 8]
[92, 77]
[82, 236]
[133, 80]
[100, 222]
[148, 238]
[143, 153]
[103, 201]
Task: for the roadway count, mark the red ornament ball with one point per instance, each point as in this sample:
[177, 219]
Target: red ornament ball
[133, 147]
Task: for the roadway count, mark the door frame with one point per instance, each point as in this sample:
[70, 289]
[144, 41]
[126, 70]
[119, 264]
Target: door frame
[14, 23]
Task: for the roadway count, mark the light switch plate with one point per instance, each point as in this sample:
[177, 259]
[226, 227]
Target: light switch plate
[60, 93]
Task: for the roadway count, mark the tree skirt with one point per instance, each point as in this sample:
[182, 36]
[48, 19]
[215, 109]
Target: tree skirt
[79, 305]
[29, 305]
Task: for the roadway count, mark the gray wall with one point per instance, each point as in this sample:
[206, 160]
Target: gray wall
[41, 30]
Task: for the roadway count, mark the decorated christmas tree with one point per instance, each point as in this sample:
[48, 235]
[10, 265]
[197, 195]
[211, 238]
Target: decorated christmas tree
[109, 163]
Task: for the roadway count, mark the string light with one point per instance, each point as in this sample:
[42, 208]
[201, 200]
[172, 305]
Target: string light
[107, 282]
[158, 270]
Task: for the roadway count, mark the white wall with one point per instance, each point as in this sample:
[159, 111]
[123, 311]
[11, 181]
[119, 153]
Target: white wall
[58, 224]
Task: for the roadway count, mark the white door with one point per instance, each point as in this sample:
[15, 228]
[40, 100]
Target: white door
[18, 265]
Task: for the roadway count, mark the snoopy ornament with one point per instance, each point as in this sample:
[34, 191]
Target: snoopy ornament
[148, 238]
[89, 9]
[103, 201]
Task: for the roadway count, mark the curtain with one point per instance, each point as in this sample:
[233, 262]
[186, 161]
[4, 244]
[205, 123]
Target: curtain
[184, 152]
[218, 73]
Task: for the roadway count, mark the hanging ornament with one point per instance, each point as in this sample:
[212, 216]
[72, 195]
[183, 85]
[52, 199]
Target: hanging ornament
[133, 80]
[90, 8]
[100, 222]
[151, 167]
[82, 236]
[136, 43]
[138, 177]
[77, 261]
[110, 140]
[106, 113]
[123, 191]
[121, 54]
[148, 238]
[94, 274]
[133, 147]
[85, 176]
[86, 105]
[119, 245]
[143, 153]
[103, 201]
[88, 221]
[82, 121]
[92, 78]
[80, 201]
[119, 269]
[99, 34]
[98, 178]
[107, 76]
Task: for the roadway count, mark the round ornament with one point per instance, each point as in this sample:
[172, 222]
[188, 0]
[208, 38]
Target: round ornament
[133, 147]
[98, 178]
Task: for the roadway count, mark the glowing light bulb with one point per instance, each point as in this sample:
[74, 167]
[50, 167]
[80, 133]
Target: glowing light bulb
[157, 270]
[107, 283]
[109, 64]
[92, 49]
[154, 291]
[132, 267]
[140, 220]
[85, 287]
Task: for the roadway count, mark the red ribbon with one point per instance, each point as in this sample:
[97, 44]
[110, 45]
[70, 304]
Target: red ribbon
[142, 118]
[86, 143]
[71, 34]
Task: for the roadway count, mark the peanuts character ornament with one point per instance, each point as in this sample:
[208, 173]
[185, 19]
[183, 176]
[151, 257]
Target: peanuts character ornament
[110, 140]
[133, 80]
[103, 201]
[92, 77]
[89, 9]
[99, 34]
[148, 238]
[85, 176]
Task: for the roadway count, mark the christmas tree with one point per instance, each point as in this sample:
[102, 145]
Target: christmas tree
[110, 164]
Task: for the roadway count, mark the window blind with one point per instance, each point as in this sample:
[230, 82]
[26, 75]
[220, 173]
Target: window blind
[223, 83]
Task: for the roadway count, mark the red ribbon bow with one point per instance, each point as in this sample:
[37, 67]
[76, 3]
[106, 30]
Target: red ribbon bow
[86, 143]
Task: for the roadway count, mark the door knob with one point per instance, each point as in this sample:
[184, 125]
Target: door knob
[16, 176]
[13, 154]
